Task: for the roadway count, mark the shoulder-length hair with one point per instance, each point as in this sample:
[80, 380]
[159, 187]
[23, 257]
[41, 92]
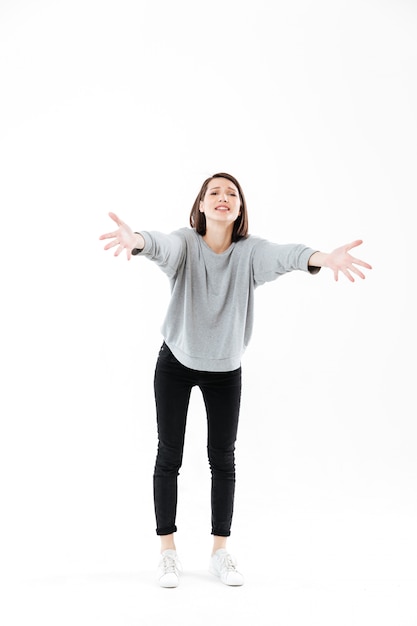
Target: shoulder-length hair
[198, 219]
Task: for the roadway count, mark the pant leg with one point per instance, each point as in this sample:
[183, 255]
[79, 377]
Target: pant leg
[172, 394]
[221, 392]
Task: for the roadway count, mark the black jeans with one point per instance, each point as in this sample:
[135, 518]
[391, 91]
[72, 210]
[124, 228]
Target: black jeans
[221, 393]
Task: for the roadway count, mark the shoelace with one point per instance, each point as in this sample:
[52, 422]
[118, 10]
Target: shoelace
[169, 564]
[228, 563]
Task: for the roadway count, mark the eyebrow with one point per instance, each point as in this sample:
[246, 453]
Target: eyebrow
[232, 188]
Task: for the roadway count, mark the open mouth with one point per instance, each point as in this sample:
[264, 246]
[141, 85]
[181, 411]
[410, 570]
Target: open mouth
[222, 208]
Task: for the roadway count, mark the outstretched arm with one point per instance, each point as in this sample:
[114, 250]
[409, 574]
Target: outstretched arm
[340, 261]
[124, 238]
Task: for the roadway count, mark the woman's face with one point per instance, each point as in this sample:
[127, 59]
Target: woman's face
[221, 202]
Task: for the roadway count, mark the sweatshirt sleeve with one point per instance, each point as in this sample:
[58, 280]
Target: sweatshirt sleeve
[167, 251]
[271, 260]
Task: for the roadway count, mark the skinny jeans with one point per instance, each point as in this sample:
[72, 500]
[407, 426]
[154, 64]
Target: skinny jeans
[221, 392]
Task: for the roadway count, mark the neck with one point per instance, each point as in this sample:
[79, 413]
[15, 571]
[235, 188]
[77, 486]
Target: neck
[218, 239]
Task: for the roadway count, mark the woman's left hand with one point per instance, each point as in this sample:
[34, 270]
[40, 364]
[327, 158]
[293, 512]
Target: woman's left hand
[340, 261]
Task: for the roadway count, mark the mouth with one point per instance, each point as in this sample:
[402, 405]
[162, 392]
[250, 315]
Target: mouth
[222, 208]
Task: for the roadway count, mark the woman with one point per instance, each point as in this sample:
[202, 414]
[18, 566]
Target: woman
[214, 268]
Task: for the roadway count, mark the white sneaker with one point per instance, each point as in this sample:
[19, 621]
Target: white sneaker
[169, 569]
[223, 565]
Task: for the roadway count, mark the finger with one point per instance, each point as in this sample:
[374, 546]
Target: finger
[355, 243]
[119, 249]
[356, 271]
[116, 219]
[111, 245]
[108, 235]
[348, 275]
[361, 263]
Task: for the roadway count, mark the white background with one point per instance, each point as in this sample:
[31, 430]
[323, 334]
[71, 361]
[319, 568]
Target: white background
[127, 107]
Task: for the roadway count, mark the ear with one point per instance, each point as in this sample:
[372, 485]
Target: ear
[200, 208]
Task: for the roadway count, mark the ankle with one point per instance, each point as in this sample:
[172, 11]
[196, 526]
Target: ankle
[167, 543]
[219, 543]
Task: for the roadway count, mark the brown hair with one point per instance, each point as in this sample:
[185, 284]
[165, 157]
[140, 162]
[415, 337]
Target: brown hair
[198, 219]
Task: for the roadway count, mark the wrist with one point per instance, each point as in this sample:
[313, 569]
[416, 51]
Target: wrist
[318, 259]
[316, 262]
[139, 244]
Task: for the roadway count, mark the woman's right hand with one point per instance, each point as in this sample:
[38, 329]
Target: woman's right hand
[124, 238]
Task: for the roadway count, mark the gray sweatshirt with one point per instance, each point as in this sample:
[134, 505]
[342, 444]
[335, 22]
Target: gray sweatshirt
[209, 320]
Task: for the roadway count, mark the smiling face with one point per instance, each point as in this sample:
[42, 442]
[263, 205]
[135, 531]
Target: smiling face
[221, 202]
